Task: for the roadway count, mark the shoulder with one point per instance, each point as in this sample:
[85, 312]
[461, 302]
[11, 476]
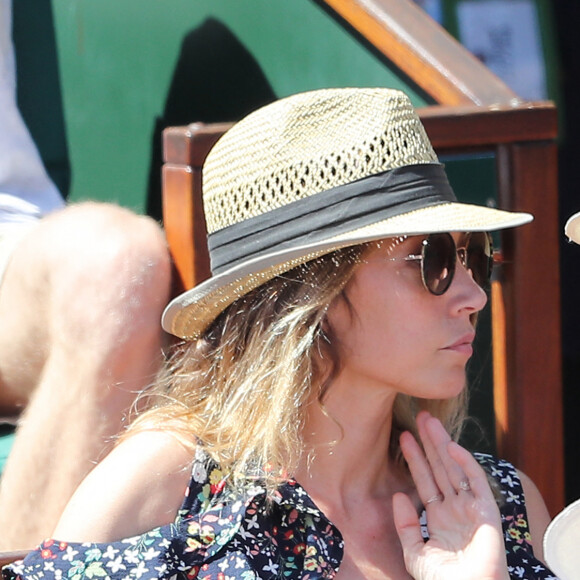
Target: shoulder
[139, 486]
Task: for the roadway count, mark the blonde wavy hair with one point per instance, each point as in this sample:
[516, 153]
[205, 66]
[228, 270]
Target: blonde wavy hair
[241, 390]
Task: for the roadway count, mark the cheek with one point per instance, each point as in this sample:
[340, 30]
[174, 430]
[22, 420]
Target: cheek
[382, 306]
[381, 314]
[366, 321]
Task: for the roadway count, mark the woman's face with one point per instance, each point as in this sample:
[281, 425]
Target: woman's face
[393, 333]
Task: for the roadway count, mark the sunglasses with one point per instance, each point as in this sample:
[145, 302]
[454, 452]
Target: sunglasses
[439, 256]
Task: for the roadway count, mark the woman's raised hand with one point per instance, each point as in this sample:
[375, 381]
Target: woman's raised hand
[465, 534]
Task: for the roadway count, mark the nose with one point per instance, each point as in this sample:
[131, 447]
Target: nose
[467, 295]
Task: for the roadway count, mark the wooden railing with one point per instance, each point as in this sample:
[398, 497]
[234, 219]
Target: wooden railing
[476, 112]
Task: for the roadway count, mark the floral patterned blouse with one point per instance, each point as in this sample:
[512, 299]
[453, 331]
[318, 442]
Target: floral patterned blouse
[220, 534]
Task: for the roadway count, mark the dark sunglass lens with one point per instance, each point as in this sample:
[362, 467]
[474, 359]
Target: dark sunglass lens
[479, 258]
[438, 262]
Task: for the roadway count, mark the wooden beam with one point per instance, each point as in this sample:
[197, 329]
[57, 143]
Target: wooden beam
[531, 434]
[409, 38]
[473, 126]
[189, 145]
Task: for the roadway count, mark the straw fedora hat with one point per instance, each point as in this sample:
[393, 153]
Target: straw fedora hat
[572, 228]
[312, 173]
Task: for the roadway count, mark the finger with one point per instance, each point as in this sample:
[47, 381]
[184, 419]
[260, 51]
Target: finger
[408, 527]
[474, 473]
[435, 439]
[451, 471]
[419, 468]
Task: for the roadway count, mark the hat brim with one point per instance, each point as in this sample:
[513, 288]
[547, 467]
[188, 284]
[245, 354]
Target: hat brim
[189, 314]
[561, 542]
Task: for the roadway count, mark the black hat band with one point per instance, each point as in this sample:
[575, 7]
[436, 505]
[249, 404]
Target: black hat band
[331, 213]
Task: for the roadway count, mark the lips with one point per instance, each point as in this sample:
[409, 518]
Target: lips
[463, 345]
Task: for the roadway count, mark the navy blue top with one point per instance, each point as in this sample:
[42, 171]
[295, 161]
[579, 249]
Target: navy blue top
[225, 534]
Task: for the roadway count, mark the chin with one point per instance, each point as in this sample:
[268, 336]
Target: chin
[448, 387]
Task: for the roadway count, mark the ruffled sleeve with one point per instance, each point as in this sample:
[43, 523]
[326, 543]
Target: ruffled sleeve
[219, 533]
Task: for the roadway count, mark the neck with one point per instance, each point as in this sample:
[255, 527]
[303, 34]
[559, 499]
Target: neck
[350, 445]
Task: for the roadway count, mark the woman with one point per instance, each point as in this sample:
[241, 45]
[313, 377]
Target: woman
[323, 368]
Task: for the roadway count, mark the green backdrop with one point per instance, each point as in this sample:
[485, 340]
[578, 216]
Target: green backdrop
[113, 61]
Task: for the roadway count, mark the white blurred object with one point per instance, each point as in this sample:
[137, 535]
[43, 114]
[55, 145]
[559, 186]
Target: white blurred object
[506, 37]
[572, 228]
[26, 190]
[561, 542]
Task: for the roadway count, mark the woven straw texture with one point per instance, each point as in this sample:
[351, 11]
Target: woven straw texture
[298, 147]
[274, 156]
